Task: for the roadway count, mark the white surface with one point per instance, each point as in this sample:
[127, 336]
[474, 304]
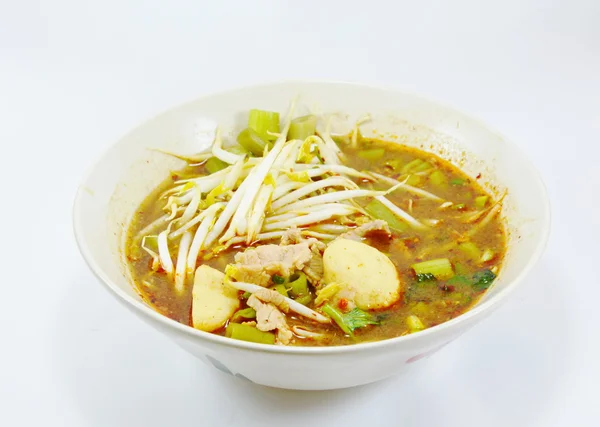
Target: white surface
[74, 77]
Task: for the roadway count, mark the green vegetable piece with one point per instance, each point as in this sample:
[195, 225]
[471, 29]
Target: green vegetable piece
[213, 165]
[441, 268]
[278, 280]
[238, 331]
[304, 299]
[421, 309]
[481, 201]
[327, 292]
[483, 279]
[262, 122]
[150, 243]
[302, 127]
[461, 298]
[393, 164]
[281, 289]
[414, 324]
[411, 165]
[252, 141]
[246, 295]
[337, 317]
[470, 249]
[425, 277]
[379, 211]
[414, 180]
[358, 319]
[244, 314]
[488, 255]
[459, 206]
[460, 268]
[341, 140]
[438, 178]
[298, 285]
[459, 280]
[372, 154]
[422, 167]
[350, 321]
[457, 181]
[480, 280]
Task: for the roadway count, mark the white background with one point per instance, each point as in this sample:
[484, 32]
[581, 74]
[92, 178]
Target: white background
[77, 75]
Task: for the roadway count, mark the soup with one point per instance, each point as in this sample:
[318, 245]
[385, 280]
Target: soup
[294, 237]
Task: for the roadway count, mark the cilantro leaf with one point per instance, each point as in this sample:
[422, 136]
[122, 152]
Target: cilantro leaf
[358, 319]
[425, 277]
[350, 321]
[483, 279]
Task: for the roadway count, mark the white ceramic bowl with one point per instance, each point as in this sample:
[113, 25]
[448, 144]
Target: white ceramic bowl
[125, 174]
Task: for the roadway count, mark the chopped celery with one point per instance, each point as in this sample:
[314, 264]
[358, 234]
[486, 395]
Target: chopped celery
[421, 309]
[246, 295]
[278, 280]
[414, 324]
[281, 289]
[393, 164]
[252, 141]
[298, 286]
[441, 268]
[371, 154]
[150, 243]
[379, 211]
[304, 299]
[481, 201]
[438, 178]
[411, 165]
[327, 293]
[244, 314]
[457, 181]
[470, 249]
[488, 255]
[263, 123]
[341, 140]
[459, 206]
[302, 127]
[414, 180]
[242, 332]
[213, 165]
[422, 167]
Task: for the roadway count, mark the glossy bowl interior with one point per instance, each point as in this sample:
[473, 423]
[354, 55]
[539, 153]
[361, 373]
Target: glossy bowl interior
[128, 171]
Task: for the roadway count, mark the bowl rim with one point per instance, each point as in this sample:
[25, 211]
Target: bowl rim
[147, 311]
